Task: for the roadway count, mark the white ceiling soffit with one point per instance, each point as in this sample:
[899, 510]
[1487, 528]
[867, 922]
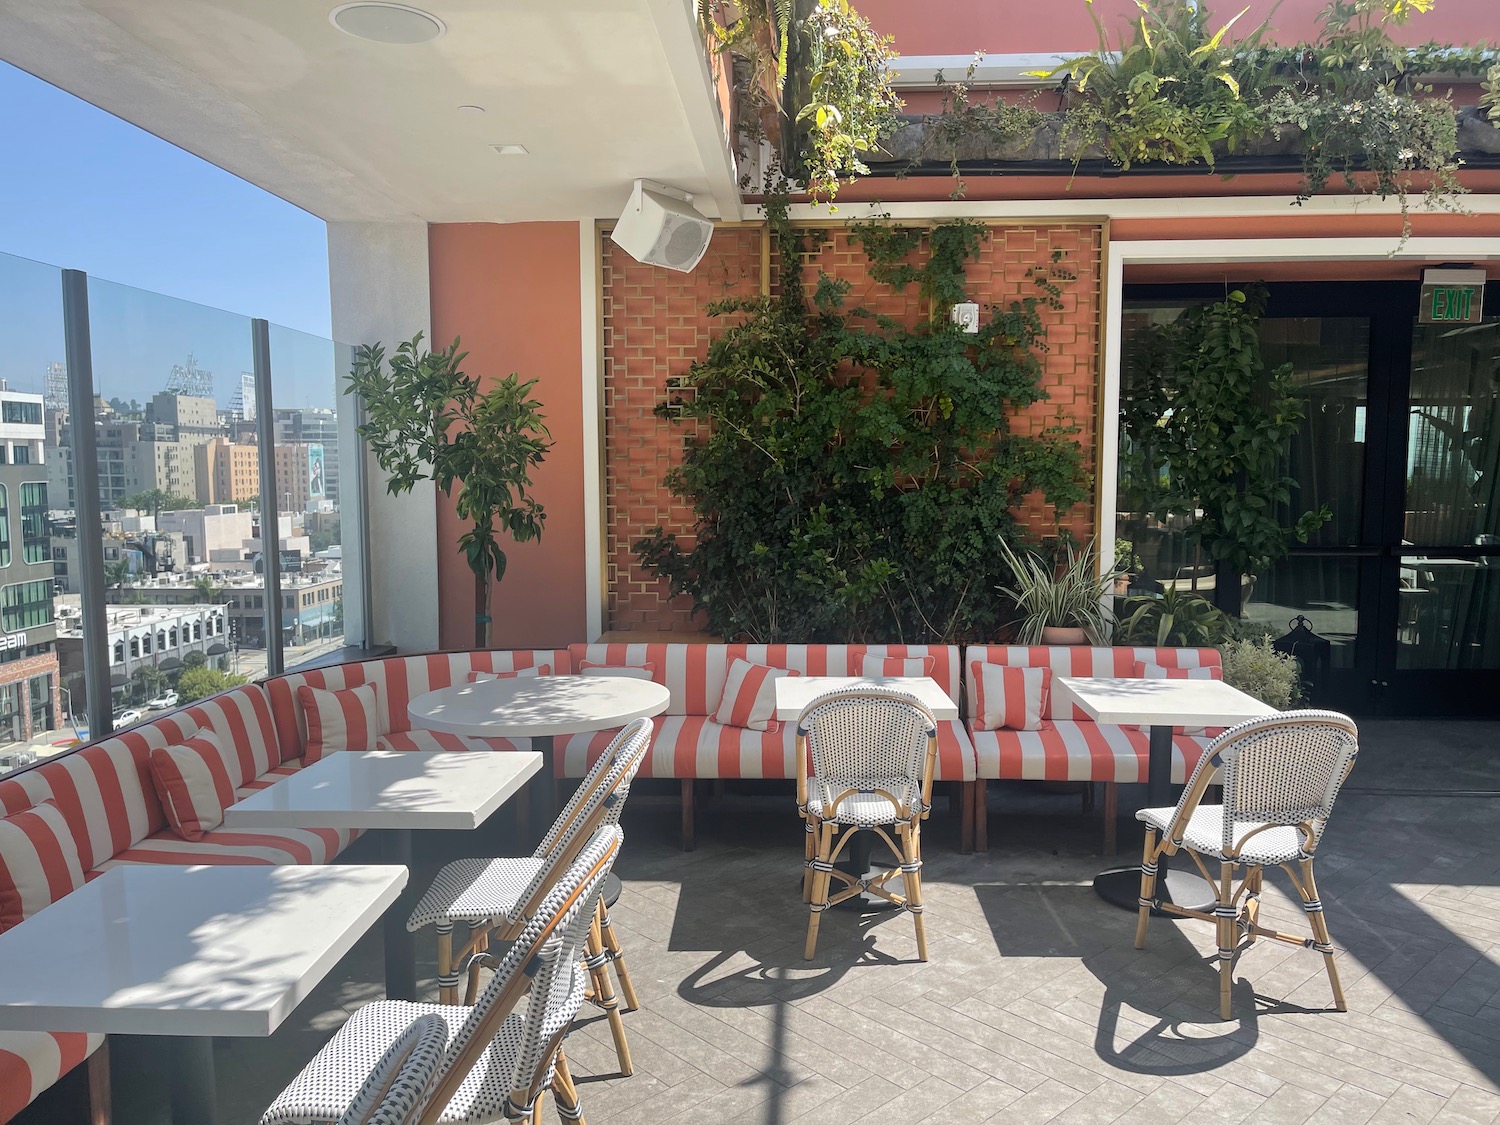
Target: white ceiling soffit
[599, 93]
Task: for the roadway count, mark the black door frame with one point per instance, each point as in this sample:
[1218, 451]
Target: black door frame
[1375, 686]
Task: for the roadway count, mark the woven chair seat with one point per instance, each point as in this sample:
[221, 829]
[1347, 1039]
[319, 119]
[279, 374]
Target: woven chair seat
[326, 1086]
[866, 808]
[476, 890]
[1205, 835]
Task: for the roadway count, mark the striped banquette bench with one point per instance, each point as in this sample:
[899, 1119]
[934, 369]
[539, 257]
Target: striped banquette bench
[689, 744]
[1034, 740]
[74, 815]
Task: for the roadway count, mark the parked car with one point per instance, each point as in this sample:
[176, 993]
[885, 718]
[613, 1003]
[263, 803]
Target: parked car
[162, 701]
[126, 717]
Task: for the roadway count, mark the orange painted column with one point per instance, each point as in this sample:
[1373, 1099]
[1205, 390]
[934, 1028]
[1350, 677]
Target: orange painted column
[511, 292]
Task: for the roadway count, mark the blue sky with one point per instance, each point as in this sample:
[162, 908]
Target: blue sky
[82, 189]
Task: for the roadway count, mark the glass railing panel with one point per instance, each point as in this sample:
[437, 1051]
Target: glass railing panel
[179, 474]
[312, 489]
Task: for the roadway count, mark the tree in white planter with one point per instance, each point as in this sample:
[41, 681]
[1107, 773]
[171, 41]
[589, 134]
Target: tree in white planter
[425, 419]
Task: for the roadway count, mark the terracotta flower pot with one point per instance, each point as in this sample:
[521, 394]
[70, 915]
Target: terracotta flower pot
[1059, 635]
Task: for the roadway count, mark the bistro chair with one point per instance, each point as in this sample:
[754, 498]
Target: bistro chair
[501, 894]
[1280, 776]
[397, 1088]
[498, 1061]
[871, 752]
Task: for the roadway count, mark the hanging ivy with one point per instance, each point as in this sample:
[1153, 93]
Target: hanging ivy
[857, 474]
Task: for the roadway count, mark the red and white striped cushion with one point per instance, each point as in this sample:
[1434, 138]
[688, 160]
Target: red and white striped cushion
[518, 674]
[33, 1061]
[339, 720]
[749, 699]
[895, 665]
[621, 671]
[1142, 670]
[1007, 698]
[38, 862]
[1067, 751]
[194, 783]
[1082, 660]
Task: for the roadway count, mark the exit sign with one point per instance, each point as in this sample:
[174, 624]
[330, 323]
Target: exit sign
[1452, 297]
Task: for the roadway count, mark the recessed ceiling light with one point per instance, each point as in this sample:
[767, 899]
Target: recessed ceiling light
[387, 23]
[511, 150]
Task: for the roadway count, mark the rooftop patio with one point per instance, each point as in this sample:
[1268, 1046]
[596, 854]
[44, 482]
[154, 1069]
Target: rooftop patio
[1034, 1006]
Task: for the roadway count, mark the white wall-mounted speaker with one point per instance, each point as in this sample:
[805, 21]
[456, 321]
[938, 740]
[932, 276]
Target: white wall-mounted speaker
[660, 227]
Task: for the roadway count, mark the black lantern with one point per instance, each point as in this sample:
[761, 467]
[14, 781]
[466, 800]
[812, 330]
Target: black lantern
[1312, 653]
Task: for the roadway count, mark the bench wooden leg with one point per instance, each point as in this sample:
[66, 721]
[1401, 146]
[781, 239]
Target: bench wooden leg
[1111, 817]
[689, 841]
[981, 817]
[965, 816]
[98, 1083]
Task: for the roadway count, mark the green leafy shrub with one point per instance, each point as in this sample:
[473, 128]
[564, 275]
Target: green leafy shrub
[1175, 618]
[1253, 666]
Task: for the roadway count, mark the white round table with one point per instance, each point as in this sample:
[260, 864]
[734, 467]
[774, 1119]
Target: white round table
[538, 708]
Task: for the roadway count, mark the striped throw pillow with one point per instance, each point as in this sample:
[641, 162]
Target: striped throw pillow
[1010, 698]
[1143, 671]
[339, 720]
[193, 783]
[896, 665]
[749, 698]
[39, 862]
[620, 671]
[517, 674]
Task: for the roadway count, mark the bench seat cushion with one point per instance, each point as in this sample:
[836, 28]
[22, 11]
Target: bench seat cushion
[290, 845]
[696, 746]
[1064, 750]
[441, 740]
[31, 1061]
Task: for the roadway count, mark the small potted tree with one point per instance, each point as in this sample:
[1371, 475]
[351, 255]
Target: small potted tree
[425, 419]
[1067, 604]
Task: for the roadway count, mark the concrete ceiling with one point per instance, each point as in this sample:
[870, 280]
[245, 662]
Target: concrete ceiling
[599, 91]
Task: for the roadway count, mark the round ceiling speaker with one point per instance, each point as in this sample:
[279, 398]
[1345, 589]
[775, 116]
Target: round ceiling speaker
[387, 23]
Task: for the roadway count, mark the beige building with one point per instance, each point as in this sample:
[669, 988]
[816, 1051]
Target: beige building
[228, 472]
[293, 491]
[168, 465]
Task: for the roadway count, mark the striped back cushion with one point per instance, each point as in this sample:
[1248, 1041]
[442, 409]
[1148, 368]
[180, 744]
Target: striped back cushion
[1081, 661]
[38, 862]
[104, 791]
[193, 783]
[945, 663]
[401, 679]
[241, 717]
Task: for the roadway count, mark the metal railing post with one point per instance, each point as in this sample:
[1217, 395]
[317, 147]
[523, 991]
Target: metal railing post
[270, 521]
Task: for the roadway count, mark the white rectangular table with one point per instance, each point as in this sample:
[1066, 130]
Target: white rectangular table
[794, 693]
[394, 791]
[1159, 705]
[189, 953]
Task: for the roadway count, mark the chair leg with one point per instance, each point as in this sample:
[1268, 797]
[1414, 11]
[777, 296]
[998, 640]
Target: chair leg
[597, 962]
[1321, 940]
[809, 853]
[564, 1092]
[617, 958]
[981, 816]
[1253, 878]
[911, 883]
[819, 901]
[1111, 818]
[1148, 887]
[447, 979]
[1228, 925]
[966, 817]
[689, 840]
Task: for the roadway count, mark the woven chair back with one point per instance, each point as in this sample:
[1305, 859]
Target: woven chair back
[1284, 769]
[547, 946]
[867, 734]
[397, 1088]
[599, 801]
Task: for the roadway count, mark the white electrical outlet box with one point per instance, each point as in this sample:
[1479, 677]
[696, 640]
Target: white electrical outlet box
[966, 316]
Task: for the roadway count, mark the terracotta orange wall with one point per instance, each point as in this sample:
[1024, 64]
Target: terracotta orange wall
[961, 27]
[511, 291]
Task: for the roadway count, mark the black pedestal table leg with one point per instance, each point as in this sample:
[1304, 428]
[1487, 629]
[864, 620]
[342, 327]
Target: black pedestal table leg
[163, 1080]
[400, 943]
[195, 1092]
[543, 788]
[1121, 886]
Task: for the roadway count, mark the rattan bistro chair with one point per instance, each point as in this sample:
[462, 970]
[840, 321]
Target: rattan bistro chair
[500, 894]
[498, 1061]
[1280, 776]
[871, 752]
[397, 1088]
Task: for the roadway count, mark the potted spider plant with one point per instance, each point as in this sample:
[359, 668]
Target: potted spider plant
[1064, 604]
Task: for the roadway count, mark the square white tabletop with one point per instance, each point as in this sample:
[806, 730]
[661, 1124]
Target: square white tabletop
[373, 789]
[159, 949]
[794, 693]
[1185, 703]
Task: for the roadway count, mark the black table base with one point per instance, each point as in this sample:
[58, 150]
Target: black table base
[163, 1080]
[1121, 886]
[400, 943]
